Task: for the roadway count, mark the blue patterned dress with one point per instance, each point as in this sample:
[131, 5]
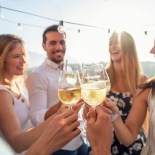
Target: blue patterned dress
[124, 102]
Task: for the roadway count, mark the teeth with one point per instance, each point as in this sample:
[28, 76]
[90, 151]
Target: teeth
[20, 67]
[114, 52]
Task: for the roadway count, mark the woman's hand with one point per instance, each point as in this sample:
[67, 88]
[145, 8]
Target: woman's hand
[59, 107]
[52, 110]
[113, 109]
[111, 105]
[62, 127]
[99, 131]
[77, 106]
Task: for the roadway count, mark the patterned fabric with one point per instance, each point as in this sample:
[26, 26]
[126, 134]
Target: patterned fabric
[124, 102]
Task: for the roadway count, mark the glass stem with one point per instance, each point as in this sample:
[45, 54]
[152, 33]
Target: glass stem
[69, 106]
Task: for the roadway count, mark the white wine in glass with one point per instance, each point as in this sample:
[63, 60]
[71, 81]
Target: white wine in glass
[69, 90]
[94, 93]
[93, 87]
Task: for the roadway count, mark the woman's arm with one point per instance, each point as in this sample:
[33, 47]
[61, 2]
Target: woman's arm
[61, 129]
[10, 127]
[127, 132]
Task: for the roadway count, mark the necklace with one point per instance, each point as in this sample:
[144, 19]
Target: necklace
[14, 89]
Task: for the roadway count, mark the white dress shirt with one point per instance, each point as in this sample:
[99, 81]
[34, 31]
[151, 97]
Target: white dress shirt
[42, 85]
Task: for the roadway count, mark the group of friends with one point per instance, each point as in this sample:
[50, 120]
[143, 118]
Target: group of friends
[55, 128]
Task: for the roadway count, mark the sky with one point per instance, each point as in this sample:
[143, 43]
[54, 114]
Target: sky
[83, 43]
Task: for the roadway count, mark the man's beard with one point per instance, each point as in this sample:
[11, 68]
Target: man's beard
[57, 61]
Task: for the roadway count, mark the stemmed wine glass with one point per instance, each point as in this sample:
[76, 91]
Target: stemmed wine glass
[93, 85]
[93, 89]
[107, 81]
[108, 87]
[69, 90]
[74, 64]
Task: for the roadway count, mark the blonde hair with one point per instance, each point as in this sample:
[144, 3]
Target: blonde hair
[130, 66]
[7, 43]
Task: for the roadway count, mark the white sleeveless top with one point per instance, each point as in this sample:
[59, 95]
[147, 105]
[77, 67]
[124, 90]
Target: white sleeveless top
[21, 107]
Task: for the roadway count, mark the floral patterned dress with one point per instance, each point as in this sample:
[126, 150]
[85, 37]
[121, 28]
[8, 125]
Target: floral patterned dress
[124, 102]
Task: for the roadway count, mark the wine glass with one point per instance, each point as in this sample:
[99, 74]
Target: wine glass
[93, 89]
[107, 81]
[73, 64]
[69, 91]
[108, 87]
[93, 85]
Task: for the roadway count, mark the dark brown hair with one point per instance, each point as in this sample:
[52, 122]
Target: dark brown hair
[53, 28]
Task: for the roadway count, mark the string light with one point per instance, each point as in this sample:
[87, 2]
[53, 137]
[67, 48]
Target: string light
[19, 27]
[30, 25]
[145, 32]
[61, 27]
[67, 22]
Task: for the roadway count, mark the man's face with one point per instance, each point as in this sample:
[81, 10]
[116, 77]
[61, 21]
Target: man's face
[55, 46]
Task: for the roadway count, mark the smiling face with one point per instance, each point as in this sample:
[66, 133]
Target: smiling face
[55, 46]
[115, 49]
[15, 62]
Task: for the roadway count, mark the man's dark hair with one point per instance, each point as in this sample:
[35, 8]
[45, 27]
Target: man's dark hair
[52, 28]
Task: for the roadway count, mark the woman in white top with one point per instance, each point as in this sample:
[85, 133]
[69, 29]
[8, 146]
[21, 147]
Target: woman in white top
[14, 112]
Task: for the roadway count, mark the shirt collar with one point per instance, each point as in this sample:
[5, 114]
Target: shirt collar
[52, 64]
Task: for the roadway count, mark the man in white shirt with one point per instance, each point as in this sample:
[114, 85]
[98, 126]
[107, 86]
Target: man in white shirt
[42, 85]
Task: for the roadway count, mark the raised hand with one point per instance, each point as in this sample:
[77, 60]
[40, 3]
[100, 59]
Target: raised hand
[99, 131]
[62, 127]
[113, 107]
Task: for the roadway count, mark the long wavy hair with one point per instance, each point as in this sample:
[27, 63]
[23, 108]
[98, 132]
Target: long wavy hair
[7, 43]
[130, 66]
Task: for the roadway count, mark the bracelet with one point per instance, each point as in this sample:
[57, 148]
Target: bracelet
[114, 117]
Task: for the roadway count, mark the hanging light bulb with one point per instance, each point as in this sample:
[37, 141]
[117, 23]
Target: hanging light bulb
[61, 27]
[19, 27]
[79, 30]
[145, 32]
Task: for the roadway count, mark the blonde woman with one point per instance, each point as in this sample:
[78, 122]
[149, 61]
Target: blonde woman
[125, 75]
[144, 99]
[14, 109]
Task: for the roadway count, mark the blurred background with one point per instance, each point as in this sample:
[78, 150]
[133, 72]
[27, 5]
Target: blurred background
[88, 24]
